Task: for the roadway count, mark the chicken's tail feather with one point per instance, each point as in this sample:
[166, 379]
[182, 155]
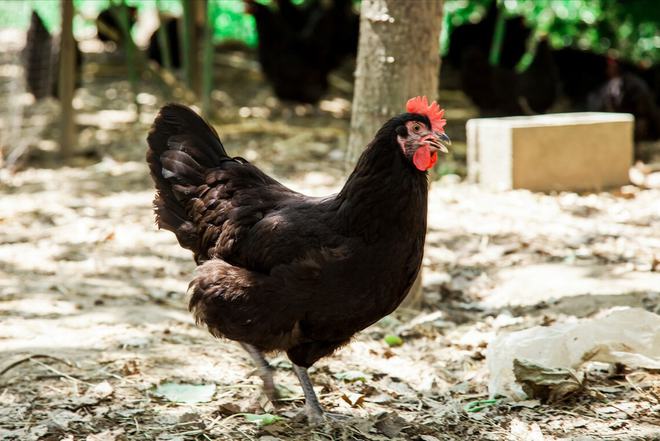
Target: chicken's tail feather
[182, 147]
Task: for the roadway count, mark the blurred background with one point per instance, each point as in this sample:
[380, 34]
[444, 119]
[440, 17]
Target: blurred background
[239, 60]
[92, 296]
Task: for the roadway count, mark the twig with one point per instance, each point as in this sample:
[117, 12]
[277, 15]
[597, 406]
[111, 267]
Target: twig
[245, 434]
[62, 374]
[190, 433]
[213, 422]
[618, 408]
[325, 435]
[224, 420]
[32, 357]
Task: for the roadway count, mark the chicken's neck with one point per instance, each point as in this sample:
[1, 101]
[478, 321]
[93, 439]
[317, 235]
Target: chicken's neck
[384, 195]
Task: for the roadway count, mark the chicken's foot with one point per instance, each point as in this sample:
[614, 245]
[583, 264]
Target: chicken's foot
[265, 371]
[313, 409]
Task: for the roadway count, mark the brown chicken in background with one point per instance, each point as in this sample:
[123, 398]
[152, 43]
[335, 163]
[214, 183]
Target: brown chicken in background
[281, 271]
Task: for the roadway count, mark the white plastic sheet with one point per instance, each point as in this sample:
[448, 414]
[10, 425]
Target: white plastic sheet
[629, 336]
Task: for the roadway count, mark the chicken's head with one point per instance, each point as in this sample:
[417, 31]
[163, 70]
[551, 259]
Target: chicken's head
[421, 134]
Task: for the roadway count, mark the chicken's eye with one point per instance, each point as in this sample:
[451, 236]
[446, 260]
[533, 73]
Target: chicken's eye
[416, 128]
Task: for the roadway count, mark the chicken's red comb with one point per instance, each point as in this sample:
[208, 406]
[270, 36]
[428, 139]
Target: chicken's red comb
[420, 105]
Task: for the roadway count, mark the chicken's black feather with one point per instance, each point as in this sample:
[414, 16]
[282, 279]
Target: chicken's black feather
[281, 270]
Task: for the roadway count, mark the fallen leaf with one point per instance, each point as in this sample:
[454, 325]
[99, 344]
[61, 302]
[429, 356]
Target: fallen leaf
[186, 393]
[547, 384]
[479, 405]
[393, 340]
[353, 399]
[131, 367]
[265, 419]
[380, 399]
[521, 431]
[229, 408]
[390, 424]
[107, 435]
[100, 391]
[351, 376]
[62, 418]
[530, 404]
[36, 433]
[286, 392]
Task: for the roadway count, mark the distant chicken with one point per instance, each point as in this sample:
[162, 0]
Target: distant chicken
[300, 45]
[281, 271]
[627, 92]
[41, 60]
[501, 89]
[172, 36]
[108, 24]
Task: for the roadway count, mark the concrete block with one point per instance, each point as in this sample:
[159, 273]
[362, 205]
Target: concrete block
[563, 151]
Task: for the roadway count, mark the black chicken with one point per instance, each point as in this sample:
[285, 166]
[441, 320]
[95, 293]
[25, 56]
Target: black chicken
[281, 271]
[580, 73]
[501, 90]
[172, 36]
[300, 45]
[626, 92]
[108, 26]
[498, 90]
[41, 60]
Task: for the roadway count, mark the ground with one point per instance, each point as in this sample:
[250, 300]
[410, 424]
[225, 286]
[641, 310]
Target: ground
[93, 319]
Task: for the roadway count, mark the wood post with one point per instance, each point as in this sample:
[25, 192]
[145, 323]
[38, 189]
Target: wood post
[66, 80]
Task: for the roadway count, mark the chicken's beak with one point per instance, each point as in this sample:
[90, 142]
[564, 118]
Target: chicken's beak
[439, 142]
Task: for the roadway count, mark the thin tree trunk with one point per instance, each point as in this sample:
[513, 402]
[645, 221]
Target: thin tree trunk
[207, 60]
[194, 15]
[66, 80]
[129, 46]
[398, 58]
[163, 41]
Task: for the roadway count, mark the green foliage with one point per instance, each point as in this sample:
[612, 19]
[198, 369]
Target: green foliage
[265, 419]
[630, 28]
[351, 376]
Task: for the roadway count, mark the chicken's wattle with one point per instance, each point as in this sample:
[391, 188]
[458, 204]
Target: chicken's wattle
[424, 159]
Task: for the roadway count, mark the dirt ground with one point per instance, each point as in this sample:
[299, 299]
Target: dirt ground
[93, 320]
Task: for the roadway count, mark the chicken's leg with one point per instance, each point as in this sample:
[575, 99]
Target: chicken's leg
[265, 371]
[313, 408]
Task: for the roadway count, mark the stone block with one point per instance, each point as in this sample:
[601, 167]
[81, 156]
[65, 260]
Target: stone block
[556, 152]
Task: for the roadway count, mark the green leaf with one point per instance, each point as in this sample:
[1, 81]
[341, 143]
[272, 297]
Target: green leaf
[393, 340]
[479, 405]
[186, 393]
[265, 419]
[351, 376]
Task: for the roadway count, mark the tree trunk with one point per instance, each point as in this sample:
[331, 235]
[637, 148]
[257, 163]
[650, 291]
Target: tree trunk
[207, 60]
[129, 46]
[67, 79]
[194, 19]
[398, 58]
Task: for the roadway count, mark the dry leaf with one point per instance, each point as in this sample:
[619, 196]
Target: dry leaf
[131, 367]
[107, 435]
[547, 384]
[390, 424]
[521, 431]
[100, 391]
[353, 399]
